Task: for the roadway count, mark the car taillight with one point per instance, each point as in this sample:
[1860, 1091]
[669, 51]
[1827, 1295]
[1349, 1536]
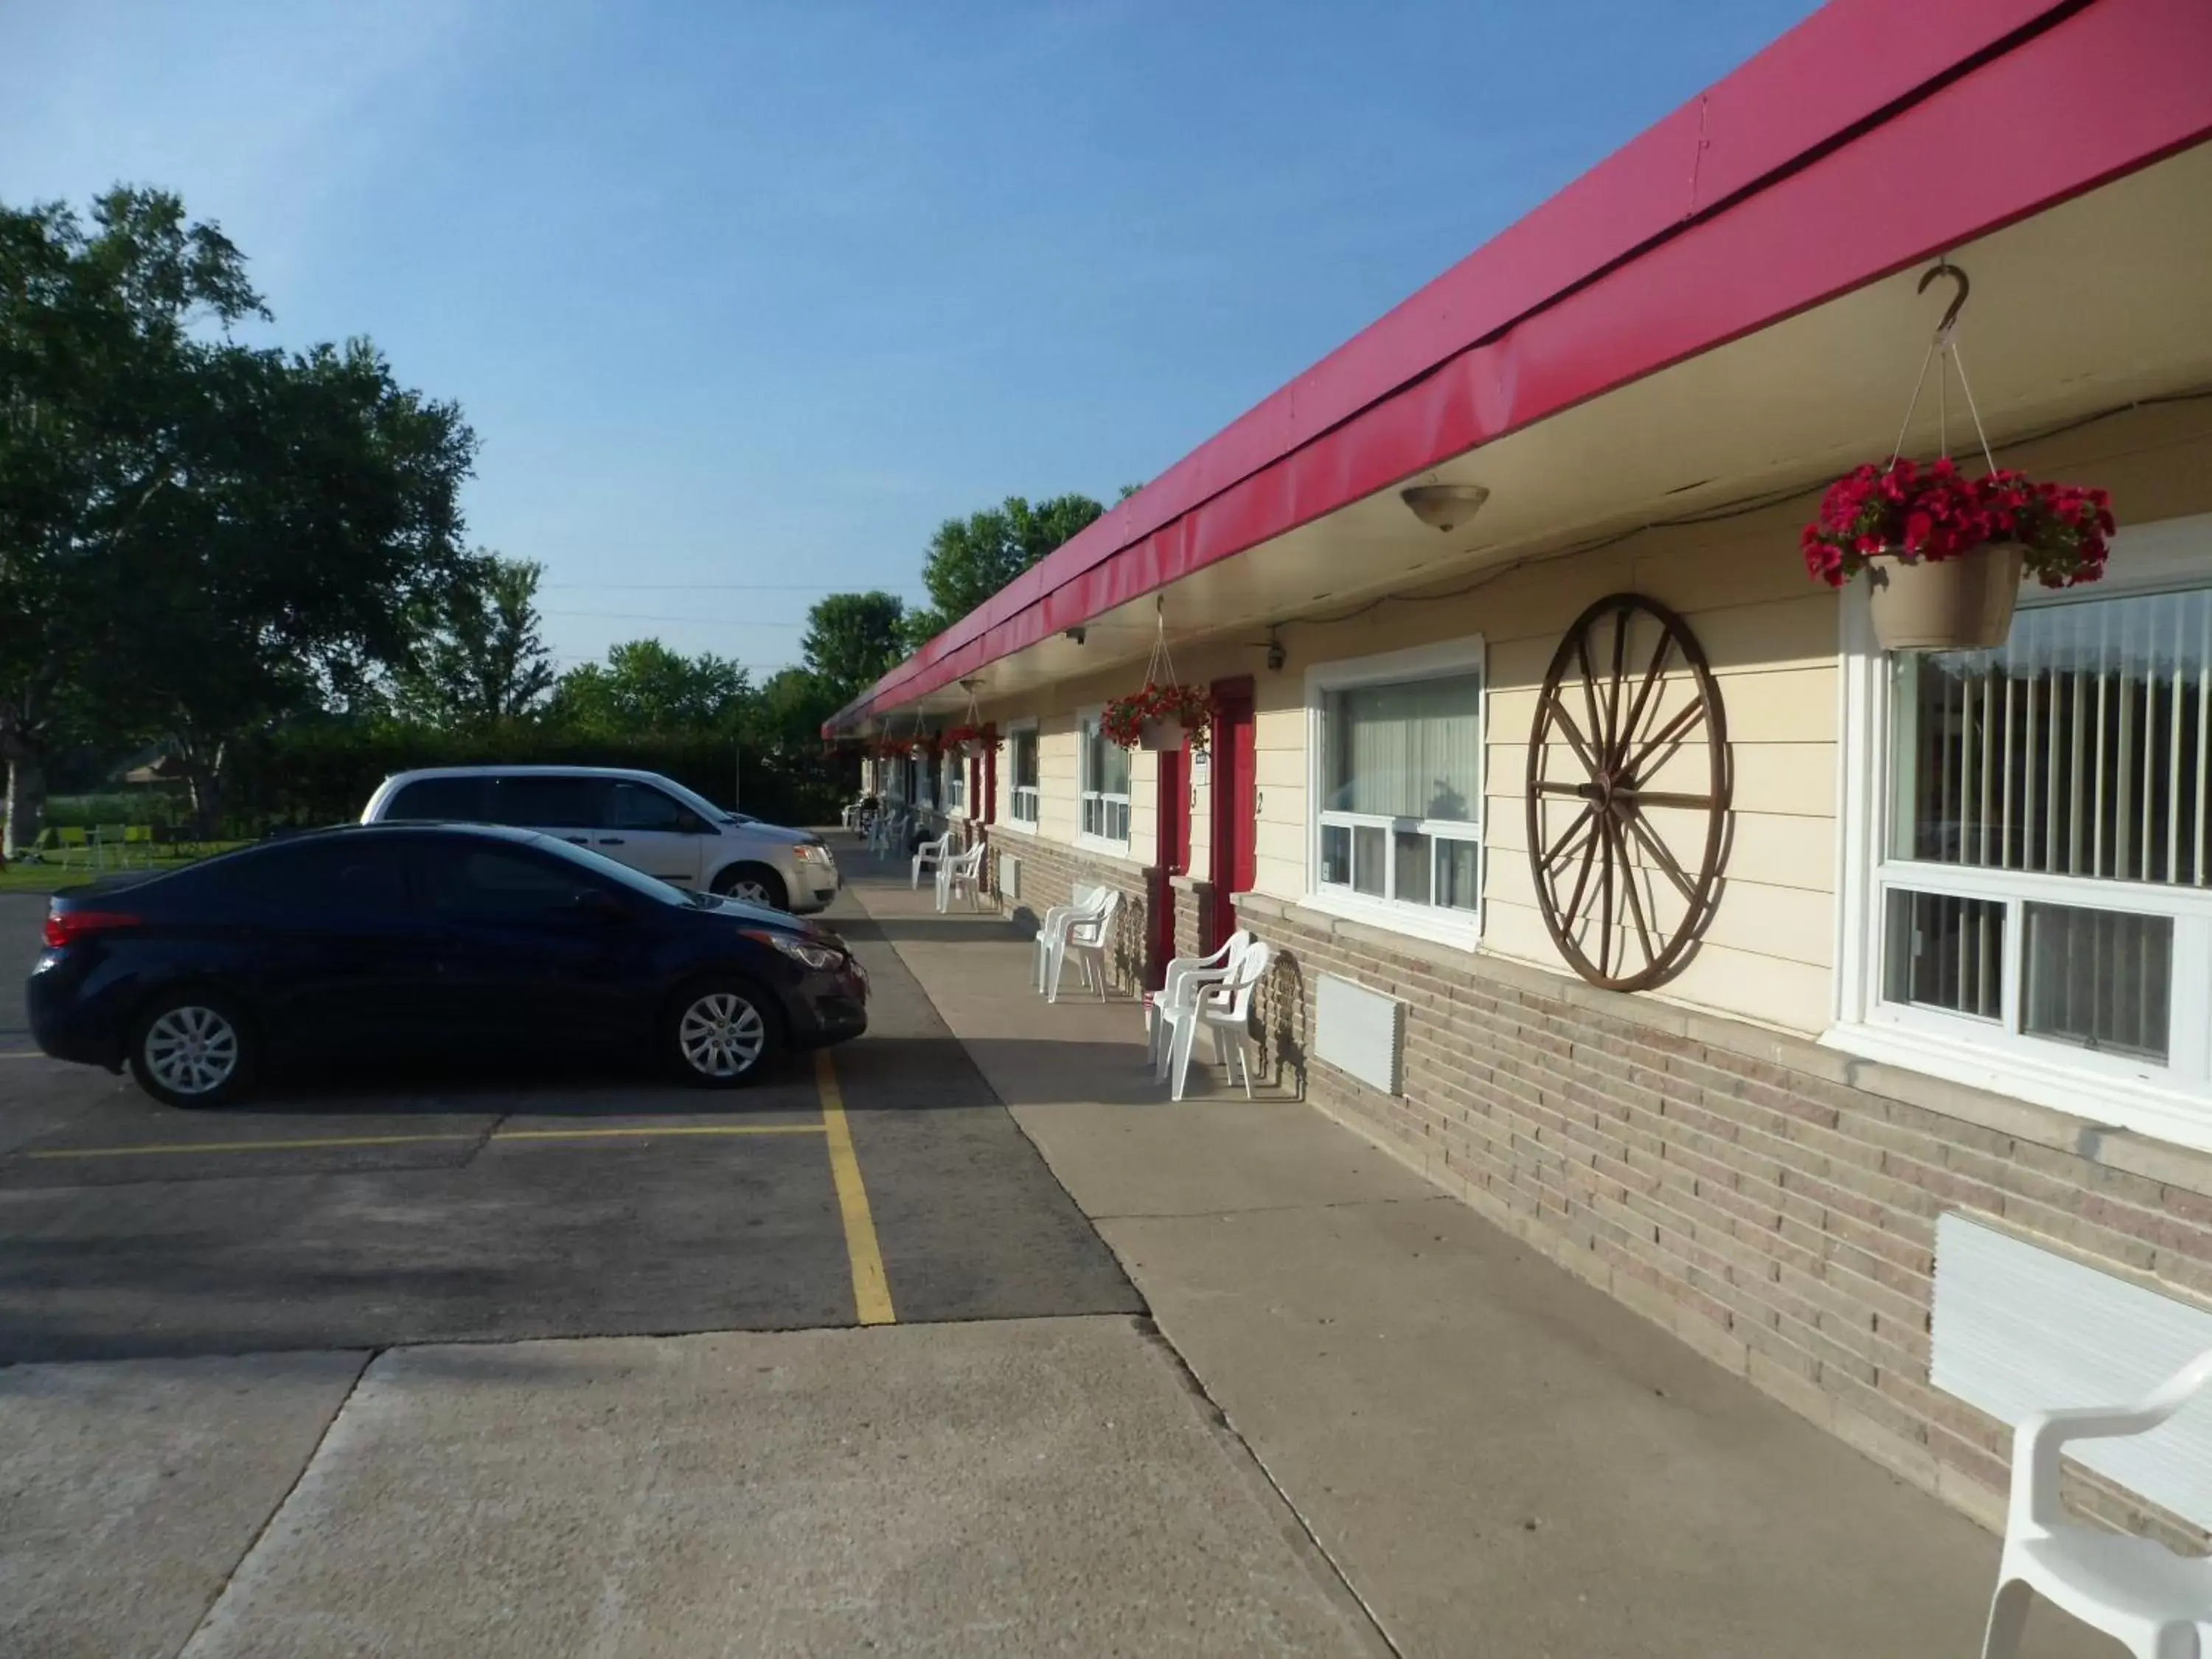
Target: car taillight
[67, 926]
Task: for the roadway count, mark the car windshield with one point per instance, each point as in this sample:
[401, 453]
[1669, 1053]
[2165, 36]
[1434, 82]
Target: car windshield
[599, 864]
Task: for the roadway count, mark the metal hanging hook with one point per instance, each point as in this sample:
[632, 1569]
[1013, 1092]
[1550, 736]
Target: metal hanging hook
[1945, 268]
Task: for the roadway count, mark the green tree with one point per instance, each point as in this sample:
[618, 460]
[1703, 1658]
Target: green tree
[103, 330]
[480, 659]
[852, 641]
[970, 559]
[316, 521]
[643, 687]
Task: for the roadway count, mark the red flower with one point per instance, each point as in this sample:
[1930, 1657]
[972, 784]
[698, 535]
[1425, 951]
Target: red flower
[1936, 514]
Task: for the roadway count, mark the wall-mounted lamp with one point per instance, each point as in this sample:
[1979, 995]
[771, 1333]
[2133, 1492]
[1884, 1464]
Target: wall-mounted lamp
[1077, 634]
[1444, 507]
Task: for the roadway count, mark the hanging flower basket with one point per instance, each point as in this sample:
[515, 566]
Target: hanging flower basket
[1944, 554]
[1160, 718]
[965, 739]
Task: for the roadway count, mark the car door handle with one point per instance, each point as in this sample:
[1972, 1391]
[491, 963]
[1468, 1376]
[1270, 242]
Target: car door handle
[580, 840]
[611, 841]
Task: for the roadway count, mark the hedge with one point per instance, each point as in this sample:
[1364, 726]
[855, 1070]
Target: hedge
[317, 776]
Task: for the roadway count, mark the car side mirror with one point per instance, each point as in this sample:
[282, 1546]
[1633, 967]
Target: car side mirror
[692, 825]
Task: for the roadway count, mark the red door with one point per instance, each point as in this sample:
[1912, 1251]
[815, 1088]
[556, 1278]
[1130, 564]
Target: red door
[1234, 815]
[1171, 857]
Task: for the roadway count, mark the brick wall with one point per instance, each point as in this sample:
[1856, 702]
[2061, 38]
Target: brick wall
[1050, 870]
[1727, 1182]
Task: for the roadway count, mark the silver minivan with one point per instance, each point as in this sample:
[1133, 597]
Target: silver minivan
[650, 822]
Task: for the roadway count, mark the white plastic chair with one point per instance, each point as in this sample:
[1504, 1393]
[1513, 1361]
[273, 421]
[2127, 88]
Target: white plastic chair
[930, 855]
[1226, 1010]
[961, 875]
[1086, 901]
[1181, 985]
[2154, 1602]
[1085, 938]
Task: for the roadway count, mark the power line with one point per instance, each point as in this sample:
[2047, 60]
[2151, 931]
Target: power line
[711, 622]
[723, 587]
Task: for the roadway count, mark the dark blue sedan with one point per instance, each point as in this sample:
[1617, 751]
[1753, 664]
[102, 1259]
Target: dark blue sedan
[377, 938]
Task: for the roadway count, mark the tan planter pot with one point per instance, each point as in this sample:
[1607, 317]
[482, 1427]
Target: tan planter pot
[1953, 605]
[1160, 736]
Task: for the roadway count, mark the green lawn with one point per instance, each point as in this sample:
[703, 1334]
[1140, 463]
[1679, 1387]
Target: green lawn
[28, 877]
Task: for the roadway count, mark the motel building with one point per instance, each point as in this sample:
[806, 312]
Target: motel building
[1846, 1009]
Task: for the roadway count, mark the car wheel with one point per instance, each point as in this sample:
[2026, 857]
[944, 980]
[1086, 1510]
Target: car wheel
[722, 1033]
[753, 884]
[193, 1049]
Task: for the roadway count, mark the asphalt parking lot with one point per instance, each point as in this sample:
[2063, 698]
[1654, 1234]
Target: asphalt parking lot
[881, 1184]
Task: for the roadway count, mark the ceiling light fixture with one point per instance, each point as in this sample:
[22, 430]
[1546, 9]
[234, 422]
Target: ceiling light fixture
[1444, 507]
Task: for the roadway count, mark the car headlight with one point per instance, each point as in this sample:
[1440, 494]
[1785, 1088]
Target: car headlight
[810, 852]
[820, 956]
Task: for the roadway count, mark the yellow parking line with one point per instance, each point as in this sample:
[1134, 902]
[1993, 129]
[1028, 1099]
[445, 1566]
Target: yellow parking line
[871, 1291]
[316, 1143]
[159, 1148]
[663, 1129]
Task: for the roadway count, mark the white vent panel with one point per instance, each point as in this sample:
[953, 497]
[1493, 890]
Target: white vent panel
[1361, 1032]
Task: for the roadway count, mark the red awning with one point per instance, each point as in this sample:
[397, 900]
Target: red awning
[1874, 134]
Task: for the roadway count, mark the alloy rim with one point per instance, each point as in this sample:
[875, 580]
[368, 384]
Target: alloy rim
[191, 1050]
[751, 892]
[722, 1036]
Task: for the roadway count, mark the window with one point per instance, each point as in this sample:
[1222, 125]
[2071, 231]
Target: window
[543, 801]
[346, 873]
[921, 788]
[1104, 781]
[641, 807]
[1398, 778]
[955, 783]
[1022, 758]
[497, 883]
[438, 800]
[2033, 882]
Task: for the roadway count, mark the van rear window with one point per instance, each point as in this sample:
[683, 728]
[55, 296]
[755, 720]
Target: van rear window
[438, 800]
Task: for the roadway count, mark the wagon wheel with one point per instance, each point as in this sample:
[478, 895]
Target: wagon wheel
[1628, 793]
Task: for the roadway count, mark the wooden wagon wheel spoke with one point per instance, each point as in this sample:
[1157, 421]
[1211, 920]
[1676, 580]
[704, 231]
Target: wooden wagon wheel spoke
[1605, 917]
[1581, 881]
[1666, 860]
[1585, 750]
[1590, 685]
[1584, 819]
[1677, 727]
[1651, 679]
[1635, 899]
[1614, 736]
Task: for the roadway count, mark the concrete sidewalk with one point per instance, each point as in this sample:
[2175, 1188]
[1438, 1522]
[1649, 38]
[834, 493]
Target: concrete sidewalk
[1497, 1457]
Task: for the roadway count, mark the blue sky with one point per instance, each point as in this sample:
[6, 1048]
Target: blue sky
[743, 299]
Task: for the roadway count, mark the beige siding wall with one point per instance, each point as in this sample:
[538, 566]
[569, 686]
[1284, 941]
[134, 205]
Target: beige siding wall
[1771, 637]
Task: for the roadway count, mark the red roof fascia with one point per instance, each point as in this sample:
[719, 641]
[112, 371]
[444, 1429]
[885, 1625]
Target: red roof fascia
[1874, 133]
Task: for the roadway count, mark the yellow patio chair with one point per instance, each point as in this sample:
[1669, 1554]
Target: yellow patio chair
[138, 839]
[71, 842]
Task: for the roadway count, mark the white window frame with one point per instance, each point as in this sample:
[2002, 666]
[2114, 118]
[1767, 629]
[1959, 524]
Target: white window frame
[1088, 726]
[955, 786]
[1035, 791]
[1450, 660]
[2171, 1101]
[923, 776]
